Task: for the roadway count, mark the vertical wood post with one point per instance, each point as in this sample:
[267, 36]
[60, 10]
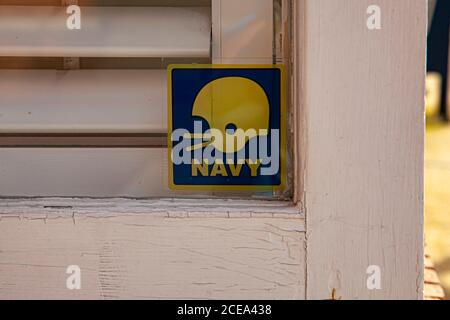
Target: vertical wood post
[363, 107]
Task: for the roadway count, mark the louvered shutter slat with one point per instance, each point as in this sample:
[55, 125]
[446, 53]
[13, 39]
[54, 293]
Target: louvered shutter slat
[106, 32]
[83, 101]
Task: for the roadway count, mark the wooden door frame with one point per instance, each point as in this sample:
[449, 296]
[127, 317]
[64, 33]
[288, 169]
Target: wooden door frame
[359, 180]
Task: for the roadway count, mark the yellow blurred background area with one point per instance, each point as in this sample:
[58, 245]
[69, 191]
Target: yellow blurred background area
[437, 184]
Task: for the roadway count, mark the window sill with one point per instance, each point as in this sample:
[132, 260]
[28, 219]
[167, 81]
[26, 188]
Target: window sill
[169, 208]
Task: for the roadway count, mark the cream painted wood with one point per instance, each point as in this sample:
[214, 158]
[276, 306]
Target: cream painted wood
[151, 256]
[162, 207]
[363, 106]
[106, 32]
[360, 181]
[83, 101]
[242, 31]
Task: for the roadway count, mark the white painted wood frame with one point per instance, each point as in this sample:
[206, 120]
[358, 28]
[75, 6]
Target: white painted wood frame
[362, 132]
[150, 255]
[360, 120]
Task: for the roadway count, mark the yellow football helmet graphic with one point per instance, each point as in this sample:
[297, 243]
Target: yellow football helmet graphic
[233, 102]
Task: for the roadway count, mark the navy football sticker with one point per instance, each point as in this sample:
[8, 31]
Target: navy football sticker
[226, 127]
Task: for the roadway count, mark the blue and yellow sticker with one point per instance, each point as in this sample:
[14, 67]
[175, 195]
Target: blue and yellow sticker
[227, 127]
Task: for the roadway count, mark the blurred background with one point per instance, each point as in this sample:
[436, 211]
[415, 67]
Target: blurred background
[437, 151]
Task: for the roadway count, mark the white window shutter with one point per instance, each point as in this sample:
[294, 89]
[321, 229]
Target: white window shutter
[104, 98]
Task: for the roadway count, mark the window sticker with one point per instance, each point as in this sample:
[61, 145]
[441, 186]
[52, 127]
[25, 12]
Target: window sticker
[227, 127]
